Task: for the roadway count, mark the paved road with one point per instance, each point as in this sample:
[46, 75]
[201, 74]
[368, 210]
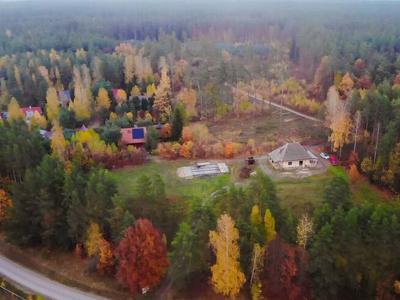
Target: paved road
[40, 284]
[258, 98]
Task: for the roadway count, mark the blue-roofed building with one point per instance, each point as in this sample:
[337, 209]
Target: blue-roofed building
[133, 136]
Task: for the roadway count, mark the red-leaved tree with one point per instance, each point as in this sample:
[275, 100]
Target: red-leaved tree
[142, 256]
[285, 273]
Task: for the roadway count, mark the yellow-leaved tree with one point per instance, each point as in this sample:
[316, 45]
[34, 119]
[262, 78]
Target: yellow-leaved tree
[150, 90]
[227, 277]
[337, 119]
[304, 230]
[52, 105]
[341, 128]
[255, 216]
[135, 92]
[121, 96]
[162, 103]
[38, 120]
[346, 84]
[58, 142]
[93, 239]
[257, 263]
[103, 101]
[14, 111]
[82, 101]
[189, 98]
[269, 222]
[129, 68]
[90, 140]
[106, 259]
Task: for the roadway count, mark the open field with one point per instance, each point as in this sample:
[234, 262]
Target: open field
[266, 127]
[298, 195]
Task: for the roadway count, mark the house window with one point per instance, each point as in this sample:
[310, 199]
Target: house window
[289, 163]
[300, 162]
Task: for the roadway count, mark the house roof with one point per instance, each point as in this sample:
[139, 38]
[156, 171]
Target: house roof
[291, 152]
[29, 111]
[132, 136]
[64, 97]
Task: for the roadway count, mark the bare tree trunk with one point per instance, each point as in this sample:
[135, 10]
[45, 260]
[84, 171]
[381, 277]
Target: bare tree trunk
[377, 142]
[356, 134]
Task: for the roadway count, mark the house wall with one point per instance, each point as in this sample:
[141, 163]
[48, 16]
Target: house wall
[308, 163]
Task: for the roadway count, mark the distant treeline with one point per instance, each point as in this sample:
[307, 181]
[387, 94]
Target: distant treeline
[346, 31]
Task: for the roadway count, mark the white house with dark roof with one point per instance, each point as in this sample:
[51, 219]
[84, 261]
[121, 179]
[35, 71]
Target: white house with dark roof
[292, 156]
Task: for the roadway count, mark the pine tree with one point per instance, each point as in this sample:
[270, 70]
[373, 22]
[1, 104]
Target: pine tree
[4, 94]
[227, 278]
[177, 123]
[182, 255]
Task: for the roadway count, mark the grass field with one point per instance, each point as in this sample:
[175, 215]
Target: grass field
[267, 127]
[298, 195]
[175, 186]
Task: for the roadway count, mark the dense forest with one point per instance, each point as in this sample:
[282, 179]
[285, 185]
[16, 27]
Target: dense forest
[91, 69]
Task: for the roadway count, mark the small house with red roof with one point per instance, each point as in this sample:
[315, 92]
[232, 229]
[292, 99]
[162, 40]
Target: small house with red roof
[30, 111]
[133, 136]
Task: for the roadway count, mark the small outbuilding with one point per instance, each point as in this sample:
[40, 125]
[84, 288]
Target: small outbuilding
[64, 97]
[292, 156]
[133, 136]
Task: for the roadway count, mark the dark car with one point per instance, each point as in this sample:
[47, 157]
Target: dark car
[251, 160]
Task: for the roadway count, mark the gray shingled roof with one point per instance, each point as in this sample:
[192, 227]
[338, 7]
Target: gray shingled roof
[291, 152]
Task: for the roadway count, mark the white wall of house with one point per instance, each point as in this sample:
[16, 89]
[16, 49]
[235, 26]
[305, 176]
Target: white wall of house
[308, 163]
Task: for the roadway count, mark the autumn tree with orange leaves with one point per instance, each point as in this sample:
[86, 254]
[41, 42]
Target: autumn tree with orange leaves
[5, 203]
[106, 257]
[143, 248]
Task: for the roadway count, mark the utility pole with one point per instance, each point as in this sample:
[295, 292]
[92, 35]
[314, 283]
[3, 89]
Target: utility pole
[377, 141]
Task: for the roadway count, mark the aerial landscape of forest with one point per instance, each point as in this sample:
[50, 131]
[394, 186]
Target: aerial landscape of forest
[199, 149]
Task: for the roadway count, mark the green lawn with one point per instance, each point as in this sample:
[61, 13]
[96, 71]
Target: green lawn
[303, 195]
[175, 186]
[298, 195]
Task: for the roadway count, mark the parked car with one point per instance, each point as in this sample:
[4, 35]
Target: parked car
[334, 161]
[250, 160]
[324, 155]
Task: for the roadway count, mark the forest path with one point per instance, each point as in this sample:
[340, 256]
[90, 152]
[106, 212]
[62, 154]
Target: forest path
[40, 284]
[283, 107]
